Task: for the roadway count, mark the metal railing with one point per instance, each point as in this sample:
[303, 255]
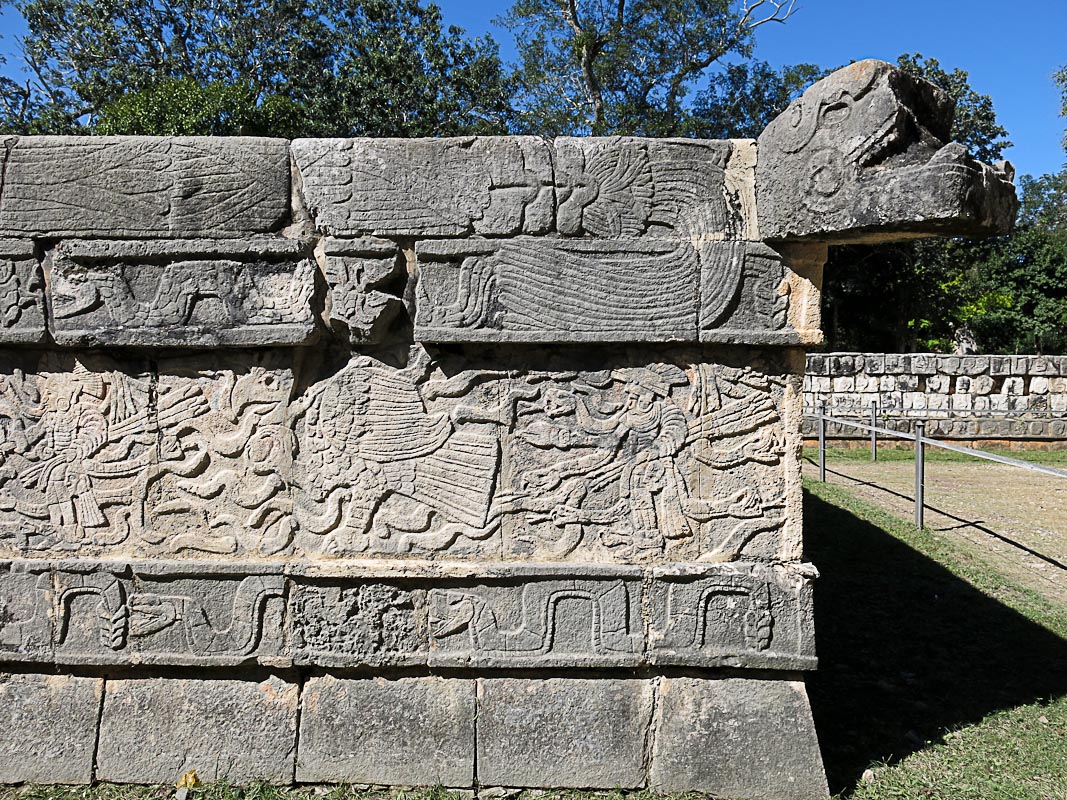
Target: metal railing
[921, 441]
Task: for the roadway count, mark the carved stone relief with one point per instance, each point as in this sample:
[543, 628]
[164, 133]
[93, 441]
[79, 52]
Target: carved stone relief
[21, 293]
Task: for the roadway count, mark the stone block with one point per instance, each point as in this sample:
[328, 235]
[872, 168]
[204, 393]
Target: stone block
[663, 188]
[963, 385]
[867, 383]
[999, 365]
[816, 364]
[974, 365]
[182, 293]
[155, 729]
[874, 363]
[737, 738]
[48, 728]
[1013, 386]
[808, 186]
[1039, 385]
[21, 293]
[564, 732]
[1058, 402]
[947, 365]
[844, 384]
[402, 732]
[1020, 365]
[887, 383]
[822, 384]
[491, 186]
[937, 402]
[981, 403]
[897, 363]
[366, 278]
[962, 402]
[938, 383]
[982, 384]
[142, 186]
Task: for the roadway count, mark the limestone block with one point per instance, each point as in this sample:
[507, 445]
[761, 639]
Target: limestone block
[48, 728]
[182, 293]
[962, 402]
[1013, 386]
[999, 402]
[982, 384]
[732, 615]
[1058, 402]
[937, 402]
[1039, 385]
[939, 383]
[866, 383]
[828, 166]
[999, 365]
[363, 275]
[1057, 385]
[662, 188]
[963, 385]
[887, 383]
[565, 732]
[590, 290]
[1020, 365]
[914, 400]
[874, 363]
[21, 293]
[492, 186]
[738, 738]
[142, 186]
[897, 363]
[923, 364]
[817, 364]
[27, 629]
[822, 384]
[974, 365]
[1041, 365]
[844, 384]
[239, 731]
[402, 732]
[908, 383]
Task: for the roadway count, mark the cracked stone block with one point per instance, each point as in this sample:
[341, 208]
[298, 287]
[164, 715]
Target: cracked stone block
[362, 275]
[144, 186]
[182, 293]
[48, 728]
[490, 186]
[565, 732]
[21, 293]
[401, 732]
[156, 729]
[736, 737]
[864, 156]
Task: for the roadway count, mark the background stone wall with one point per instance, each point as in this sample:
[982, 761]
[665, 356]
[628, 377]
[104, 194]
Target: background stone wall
[1013, 397]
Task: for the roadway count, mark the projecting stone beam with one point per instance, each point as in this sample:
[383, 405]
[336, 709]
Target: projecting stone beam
[142, 186]
[864, 156]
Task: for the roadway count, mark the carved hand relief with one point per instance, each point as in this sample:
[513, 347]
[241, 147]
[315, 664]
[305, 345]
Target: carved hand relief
[174, 294]
[623, 463]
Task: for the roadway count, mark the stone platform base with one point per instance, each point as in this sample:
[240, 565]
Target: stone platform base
[732, 737]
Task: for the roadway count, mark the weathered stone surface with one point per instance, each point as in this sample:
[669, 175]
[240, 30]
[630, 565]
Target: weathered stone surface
[155, 729]
[660, 188]
[618, 290]
[364, 276]
[492, 186]
[864, 155]
[564, 732]
[406, 732]
[738, 738]
[21, 293]
[131, 186]
[48, 728]
[182, 293]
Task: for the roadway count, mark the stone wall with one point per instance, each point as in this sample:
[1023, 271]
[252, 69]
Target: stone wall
[1011, 398]
[444, 461]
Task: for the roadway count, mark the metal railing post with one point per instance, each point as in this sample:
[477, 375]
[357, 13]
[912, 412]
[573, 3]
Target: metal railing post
[874, 433]
[822, 442]
[920, 472]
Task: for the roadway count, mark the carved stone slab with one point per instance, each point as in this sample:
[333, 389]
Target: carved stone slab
[662, 188]
[21, 293]
[864, 155]
[366, 278]
[48, 728]
[399, 732]
[130, 186]
[517, 616]
[227, 730]
[182, 293]
[623, 458]
[491, 186]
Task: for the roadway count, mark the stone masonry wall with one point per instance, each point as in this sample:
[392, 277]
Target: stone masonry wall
[1011, 397]
[466, 461]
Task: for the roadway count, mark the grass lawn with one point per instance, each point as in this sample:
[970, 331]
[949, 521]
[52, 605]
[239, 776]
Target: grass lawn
[1051, 458]
[939, 678]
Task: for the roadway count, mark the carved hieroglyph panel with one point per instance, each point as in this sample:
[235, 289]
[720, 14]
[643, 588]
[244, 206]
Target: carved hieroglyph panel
[21, 293]
[366, 278]
[114, 186]
[183, 293]
[619, 457]
[618, 290]
[492, 186]
[665, 188]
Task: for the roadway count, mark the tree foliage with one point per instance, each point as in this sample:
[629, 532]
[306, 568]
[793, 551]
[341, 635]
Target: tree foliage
[625, 66]
[282, 67]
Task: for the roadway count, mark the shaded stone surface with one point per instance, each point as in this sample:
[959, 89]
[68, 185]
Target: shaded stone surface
[564, 732]
[405, 731]
[130, 186]
[48, 728]
[154, 730]
[736, 737]
[865, 155]
[21, 293]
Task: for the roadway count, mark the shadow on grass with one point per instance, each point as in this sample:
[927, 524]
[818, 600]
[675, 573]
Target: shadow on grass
[907, 650]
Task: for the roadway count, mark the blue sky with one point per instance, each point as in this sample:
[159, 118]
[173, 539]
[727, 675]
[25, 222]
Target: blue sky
[1009, 51]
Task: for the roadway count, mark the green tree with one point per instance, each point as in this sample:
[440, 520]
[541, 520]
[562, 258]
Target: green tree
[628, 66]
[281, 67]
[932, 286]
